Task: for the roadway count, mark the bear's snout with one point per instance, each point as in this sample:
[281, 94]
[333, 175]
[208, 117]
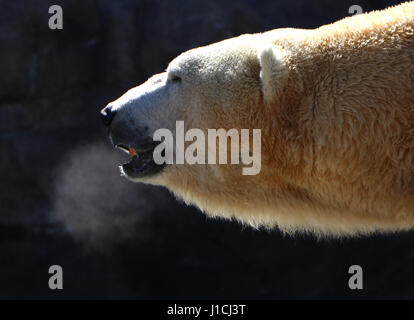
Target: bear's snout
[107, 115]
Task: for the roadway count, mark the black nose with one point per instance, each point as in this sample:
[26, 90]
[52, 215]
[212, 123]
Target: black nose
[107, 115]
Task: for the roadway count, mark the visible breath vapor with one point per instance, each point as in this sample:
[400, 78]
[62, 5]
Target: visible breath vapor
[95, 204]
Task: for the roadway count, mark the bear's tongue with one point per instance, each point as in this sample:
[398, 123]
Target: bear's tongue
[132, 152]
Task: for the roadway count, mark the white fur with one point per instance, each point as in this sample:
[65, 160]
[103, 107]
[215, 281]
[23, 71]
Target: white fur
[273, 73]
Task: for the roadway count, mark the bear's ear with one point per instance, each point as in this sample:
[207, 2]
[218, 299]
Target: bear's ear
[273, 72]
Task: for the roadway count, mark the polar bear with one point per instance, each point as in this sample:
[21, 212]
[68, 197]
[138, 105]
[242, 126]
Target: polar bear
[335, 107]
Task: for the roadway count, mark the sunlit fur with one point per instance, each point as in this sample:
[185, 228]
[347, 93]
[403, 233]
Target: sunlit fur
[336, 109]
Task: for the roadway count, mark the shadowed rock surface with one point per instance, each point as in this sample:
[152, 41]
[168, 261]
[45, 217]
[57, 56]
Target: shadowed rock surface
[63, 201]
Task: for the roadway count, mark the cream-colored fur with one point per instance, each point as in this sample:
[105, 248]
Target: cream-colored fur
[336, 110]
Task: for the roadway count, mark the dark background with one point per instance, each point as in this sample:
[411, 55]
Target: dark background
[63, 202]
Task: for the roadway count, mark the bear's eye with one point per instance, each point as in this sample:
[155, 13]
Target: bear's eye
[174, 78]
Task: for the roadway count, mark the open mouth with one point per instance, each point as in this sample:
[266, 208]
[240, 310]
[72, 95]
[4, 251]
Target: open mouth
[141, 163]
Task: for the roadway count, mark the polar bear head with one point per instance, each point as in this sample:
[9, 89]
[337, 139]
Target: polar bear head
[333, 106]
[229, 84]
